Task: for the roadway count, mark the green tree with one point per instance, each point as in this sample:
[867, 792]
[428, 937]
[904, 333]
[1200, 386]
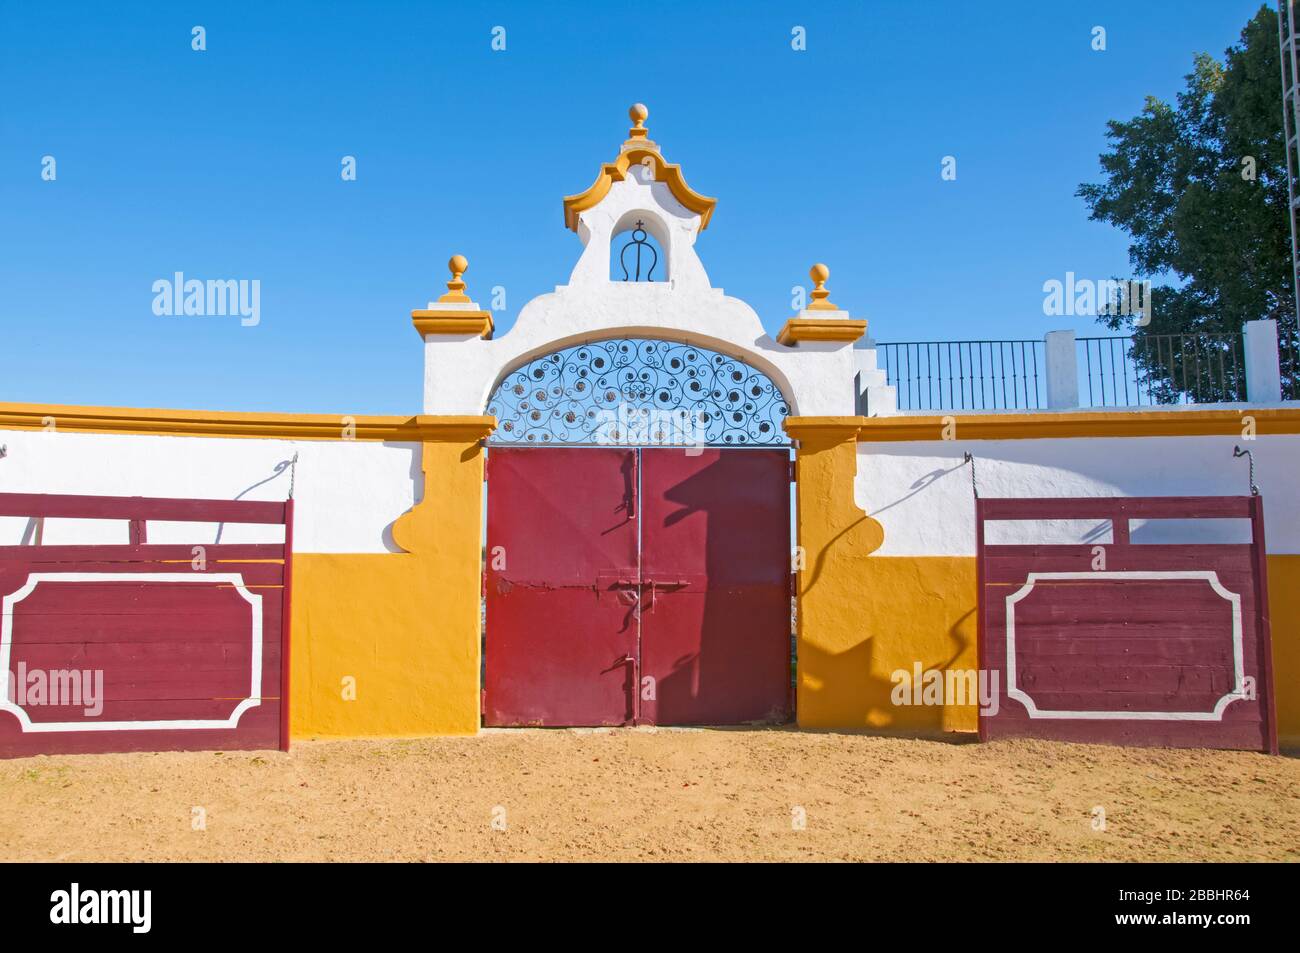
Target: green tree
[1201, 188]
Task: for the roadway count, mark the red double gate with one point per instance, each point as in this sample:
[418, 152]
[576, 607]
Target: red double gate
[631, 586]
[1143, 644]
[141, 646]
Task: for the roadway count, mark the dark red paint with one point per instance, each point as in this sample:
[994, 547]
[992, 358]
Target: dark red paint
[639, 586]
[1101, 643]
[167, 650]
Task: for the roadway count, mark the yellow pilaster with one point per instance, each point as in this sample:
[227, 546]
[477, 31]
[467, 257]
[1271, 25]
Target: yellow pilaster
[863, 617]
[833, 537]
[388, 644]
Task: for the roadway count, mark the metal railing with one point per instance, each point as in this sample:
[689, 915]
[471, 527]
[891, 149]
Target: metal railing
[1288, 358]
[1156, 369]
[966, 375]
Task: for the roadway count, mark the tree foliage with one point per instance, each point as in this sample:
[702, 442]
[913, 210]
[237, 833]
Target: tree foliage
[1200, 186]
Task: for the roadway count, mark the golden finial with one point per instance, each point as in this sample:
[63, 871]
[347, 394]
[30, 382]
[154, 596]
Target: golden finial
[820, 296]
[638, 114]
[457, 265]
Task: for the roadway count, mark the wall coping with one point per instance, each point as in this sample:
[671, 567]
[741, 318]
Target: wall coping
[1108, 423]
[212, 423]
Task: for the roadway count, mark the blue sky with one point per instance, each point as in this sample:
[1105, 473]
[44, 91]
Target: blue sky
[225, 164]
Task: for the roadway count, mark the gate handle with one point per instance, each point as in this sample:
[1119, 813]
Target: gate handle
[667, 584]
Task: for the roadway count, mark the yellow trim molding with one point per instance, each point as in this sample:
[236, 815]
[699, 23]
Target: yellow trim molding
[821, 329]
[211, 423]
[1043, 424]
[823, 431]
[460, 316]
[667, 172]
[636, 150]
[452, 322]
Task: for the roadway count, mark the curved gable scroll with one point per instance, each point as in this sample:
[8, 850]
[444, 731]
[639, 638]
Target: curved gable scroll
[638, 392]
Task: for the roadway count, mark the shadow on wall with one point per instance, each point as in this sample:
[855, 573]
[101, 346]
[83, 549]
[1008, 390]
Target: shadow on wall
[855, 686]
[919, 485]
[277, 470]
[727, 654]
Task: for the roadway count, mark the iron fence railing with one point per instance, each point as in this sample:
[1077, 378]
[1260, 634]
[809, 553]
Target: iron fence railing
[1151, 369]
[966, 375]
[1288, 358]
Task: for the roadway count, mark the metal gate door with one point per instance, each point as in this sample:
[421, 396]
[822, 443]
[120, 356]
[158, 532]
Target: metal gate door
[628, 586]
[715, 545]
[1146, 644]
[561, 587]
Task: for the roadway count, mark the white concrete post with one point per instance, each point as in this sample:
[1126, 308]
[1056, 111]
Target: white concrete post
[1263, 373]
[1062, 370]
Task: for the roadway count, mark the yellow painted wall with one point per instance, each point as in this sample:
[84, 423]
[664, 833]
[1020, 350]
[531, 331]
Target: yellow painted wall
[906, 610]
[923, 608]
[405, 626]
[862, 617]
[1284, 620]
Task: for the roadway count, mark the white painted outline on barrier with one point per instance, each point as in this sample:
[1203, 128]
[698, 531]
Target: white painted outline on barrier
[34, 579]
[1238, 692]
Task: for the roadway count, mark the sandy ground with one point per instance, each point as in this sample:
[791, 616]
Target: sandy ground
[646, 794]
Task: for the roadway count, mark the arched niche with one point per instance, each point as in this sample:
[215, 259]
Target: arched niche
[640, 248]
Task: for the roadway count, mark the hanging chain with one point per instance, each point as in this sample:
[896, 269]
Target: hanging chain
[293, 473]
[1250, 458]
[967, 458]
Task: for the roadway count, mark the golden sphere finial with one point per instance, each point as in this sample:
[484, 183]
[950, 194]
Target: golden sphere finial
[820, 296]
[638, 114]
[457, 265]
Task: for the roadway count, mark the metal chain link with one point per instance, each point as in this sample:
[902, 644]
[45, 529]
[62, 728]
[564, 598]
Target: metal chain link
[967, 458]
[1250, 458]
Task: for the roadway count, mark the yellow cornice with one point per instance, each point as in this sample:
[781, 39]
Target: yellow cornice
[1109, 423]
[821, 329]
[667, 172]
[823, 431]
[204, 423]
[438, 321]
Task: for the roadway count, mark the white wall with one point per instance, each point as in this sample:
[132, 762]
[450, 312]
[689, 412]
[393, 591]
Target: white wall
[815, 377]
[347, 493]
[921, 493]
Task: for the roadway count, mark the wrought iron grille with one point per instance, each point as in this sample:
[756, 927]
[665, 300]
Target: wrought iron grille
[966, 375]
[1149, 369]
[638, 392]
[640, 246]
[1288, 348]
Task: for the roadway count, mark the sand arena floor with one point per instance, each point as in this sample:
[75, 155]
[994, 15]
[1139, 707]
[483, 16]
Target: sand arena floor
[664, 794]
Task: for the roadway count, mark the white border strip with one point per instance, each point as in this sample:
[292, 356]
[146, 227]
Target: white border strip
[34, 579]
[1238, 692]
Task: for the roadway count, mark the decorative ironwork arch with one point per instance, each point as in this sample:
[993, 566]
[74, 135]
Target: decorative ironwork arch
[638, 392]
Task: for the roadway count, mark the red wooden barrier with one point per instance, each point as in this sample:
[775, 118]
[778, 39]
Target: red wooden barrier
[1143, 644]
[144, 647]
